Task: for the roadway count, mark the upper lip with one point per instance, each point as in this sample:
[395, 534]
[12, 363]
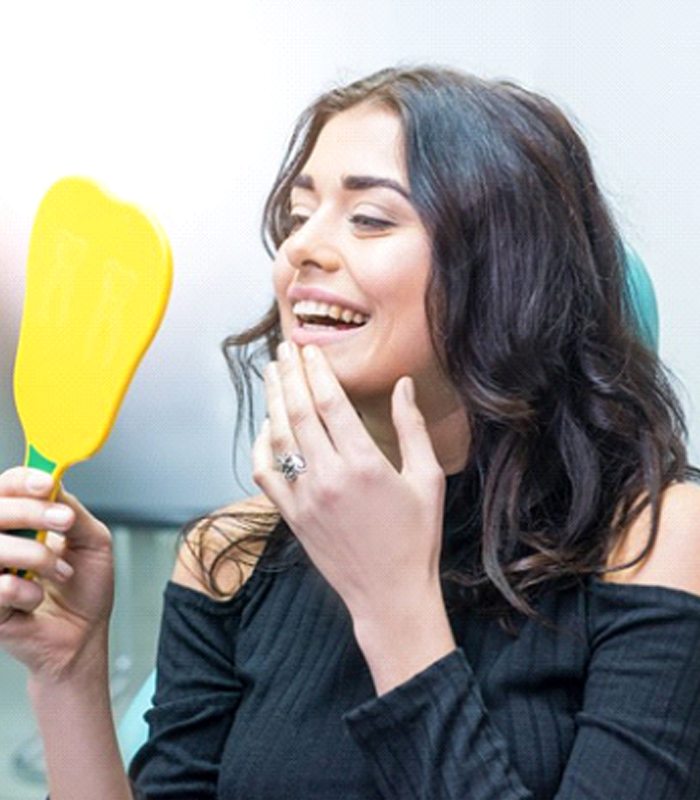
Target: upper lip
[297, 292]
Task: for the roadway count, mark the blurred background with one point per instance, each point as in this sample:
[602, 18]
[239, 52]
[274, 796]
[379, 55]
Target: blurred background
[186, 108]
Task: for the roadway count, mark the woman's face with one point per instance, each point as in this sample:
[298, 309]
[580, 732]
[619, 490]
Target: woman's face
[359, 253]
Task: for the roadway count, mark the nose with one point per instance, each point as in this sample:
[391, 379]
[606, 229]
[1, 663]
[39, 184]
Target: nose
[312, 246]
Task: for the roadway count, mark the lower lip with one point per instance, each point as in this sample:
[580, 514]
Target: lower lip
[302, 335]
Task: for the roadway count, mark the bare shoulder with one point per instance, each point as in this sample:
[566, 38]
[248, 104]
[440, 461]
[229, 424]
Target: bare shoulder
[674, 561]
[208, 540]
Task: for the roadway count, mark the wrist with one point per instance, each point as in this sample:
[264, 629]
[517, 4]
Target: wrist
[51, 698]
[398, 607]
[401, 640]
[87, 667]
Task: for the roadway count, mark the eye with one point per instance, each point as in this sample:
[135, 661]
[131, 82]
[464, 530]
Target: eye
[364, 222]
[295, 221]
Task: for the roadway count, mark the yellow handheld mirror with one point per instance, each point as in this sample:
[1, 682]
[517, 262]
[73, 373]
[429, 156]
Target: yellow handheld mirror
[99, 274]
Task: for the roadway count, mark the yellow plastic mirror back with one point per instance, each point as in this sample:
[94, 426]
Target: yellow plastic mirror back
[99, 274]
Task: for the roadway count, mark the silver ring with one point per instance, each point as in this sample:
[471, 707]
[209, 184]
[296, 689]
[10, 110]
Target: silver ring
[291, 465]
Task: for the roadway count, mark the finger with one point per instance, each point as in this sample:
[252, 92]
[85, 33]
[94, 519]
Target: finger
[415, 445]
[56, 542]
[30, 518]
[279, 431]
[31, 555]
[19, 481]
[265, 472]
[25, 513]
[17, 594]
[342, 423]
[302, 414]
[262, 456]
[86, 530]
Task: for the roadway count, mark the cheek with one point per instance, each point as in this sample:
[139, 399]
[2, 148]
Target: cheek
[282, 276]
[402, 289]
[408, 332]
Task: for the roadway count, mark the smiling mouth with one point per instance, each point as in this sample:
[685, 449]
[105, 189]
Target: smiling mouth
[313, 315]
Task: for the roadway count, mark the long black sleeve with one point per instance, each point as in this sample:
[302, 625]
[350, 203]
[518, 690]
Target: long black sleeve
[637, 733]
[197, 692]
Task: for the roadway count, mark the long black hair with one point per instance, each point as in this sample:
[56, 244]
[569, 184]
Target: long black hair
[575, 426]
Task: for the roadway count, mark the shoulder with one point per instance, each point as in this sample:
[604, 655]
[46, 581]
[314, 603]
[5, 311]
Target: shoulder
[674, 560]
[212, 535]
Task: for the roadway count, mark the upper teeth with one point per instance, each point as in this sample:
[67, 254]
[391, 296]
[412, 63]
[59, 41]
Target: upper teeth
[312, 308]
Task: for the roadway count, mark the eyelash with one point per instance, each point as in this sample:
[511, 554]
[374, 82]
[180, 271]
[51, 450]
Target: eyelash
[361, 220]
[374, 223]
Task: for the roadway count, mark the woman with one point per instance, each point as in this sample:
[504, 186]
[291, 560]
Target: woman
[473, 571]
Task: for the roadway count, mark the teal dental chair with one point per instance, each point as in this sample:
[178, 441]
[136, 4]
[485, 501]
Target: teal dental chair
[132, 730]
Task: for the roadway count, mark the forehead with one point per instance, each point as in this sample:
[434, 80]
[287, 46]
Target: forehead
[364, 140]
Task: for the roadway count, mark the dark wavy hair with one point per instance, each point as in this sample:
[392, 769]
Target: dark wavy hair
[575, 427]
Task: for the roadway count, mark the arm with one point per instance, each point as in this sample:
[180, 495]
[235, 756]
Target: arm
[77, 727]
[405, 638]
[638, 731]
[374, 532]
[57, 627]
[197, 685]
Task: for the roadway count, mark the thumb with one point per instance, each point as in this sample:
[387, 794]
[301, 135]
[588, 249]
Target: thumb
[415, 445]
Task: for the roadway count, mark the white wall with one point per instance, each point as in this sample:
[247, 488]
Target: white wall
[186, 107]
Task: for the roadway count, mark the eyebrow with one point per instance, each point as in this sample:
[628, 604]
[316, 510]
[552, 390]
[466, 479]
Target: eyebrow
[356, 183]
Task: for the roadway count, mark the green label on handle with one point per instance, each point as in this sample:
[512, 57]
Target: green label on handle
[37, 461]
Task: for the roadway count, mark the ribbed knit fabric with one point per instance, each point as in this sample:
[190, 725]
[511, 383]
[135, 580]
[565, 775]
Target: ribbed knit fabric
[267, 696]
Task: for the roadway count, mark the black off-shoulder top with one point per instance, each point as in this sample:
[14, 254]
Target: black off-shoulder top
[267, 696]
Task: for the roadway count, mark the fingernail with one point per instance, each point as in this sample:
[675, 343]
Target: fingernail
[63, 570]
[57, 515]
[38, 481]
[283, 351]
[409, 390]
[310, 352]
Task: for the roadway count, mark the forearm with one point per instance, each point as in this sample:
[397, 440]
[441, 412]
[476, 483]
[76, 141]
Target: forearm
[77, 727]
[427, 733]
[431, 737]
[399, 640]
